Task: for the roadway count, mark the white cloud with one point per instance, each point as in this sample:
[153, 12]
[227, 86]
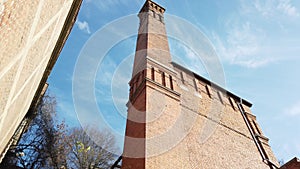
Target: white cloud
[262, 32]
[112, 84]
[286, 7]
[65, 106]
[189, 53]
[106, 71]
[266, 7]
[84, 26]
[293, 110]
[242, 45]
[272, 8]
[67, 111]
[187, 57]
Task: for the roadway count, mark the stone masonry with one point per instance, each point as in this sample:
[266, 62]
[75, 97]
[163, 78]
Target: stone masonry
[178, 119]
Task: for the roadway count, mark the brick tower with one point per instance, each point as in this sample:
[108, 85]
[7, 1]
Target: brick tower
[170, 108]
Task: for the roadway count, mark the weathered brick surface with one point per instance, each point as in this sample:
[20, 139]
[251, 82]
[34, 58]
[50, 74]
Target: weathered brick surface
[192, 124]
[29, 32]
[229, 145]
[134, 151]
[152, 37]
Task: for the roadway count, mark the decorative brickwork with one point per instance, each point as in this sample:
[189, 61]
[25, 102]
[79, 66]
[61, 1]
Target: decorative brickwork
[178, 119]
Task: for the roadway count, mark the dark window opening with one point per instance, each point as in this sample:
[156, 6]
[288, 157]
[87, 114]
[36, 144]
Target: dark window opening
[231, 103]
[152, 74]
[163, 79]
[154, 15]
[208, 91]
[171, 82]
[143, 74]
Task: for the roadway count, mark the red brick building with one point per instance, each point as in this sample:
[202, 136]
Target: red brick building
[293, 164]
[171, 109]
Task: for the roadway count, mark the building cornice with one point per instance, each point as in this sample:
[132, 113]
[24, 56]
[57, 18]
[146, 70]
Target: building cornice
[214, 85]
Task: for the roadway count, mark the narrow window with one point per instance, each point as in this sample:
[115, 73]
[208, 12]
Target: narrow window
[181, 77]
[231, 103]
[195, 85]
[152, 74]
[171, 82]
[163, 79]
[220, 97]
[154, 15]
[208, 89]
[160, 18]
[131, 89]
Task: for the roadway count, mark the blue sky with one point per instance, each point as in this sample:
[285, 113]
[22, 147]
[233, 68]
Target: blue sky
[256, 41]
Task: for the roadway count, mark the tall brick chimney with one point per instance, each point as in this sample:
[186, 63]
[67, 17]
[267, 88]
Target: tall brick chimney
[152, 69]
[169, 107]
[152, 39]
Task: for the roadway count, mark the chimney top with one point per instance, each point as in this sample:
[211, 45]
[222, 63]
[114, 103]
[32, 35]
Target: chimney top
[150, 5]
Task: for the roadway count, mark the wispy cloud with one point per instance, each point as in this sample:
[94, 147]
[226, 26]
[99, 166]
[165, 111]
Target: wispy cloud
[286, 7]
[242, 45]
[67, 112]
[106, 71]
[185, 56]
[65, 106]
[112, 82]
[272, 8]
[84, 26]
[293, 110]
[252, 34]
[265, 8]
[106, 5]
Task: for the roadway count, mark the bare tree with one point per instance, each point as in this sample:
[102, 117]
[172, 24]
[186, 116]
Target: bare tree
[47, 143]
[88, 153]
[39, 146]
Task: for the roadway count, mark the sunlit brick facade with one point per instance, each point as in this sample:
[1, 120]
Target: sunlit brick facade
[170, 108]
[32, 34]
